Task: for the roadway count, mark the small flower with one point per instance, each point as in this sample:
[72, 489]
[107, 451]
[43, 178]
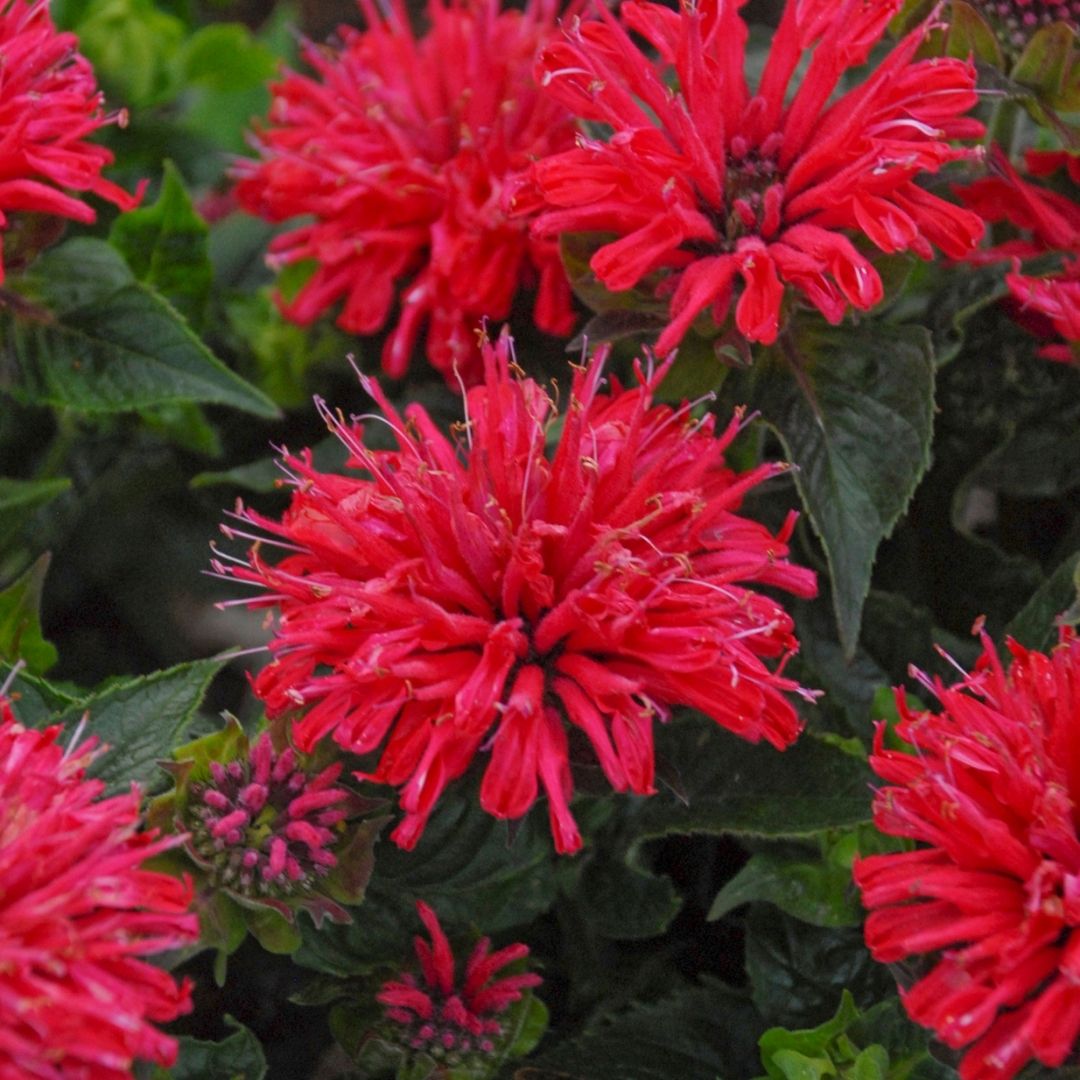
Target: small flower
[49, 103]
[1044, 221]
[435, 1014]
[712, 184]
[399, 149]
[991, 897]
[479, 596]
[266, 833]
[76, 914]
[263, 826]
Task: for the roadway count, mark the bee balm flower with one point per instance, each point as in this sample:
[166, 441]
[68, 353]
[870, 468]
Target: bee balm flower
[76, 915]
[719, 190]
[49, 103]
[450, 1020]
[482, 597]
[991, 897]
[398, 149]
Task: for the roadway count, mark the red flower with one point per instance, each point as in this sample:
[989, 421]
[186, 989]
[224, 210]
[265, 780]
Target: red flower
[399, 151]
[480, 595]
[992, 897]
[49, 103]
[712, 183]
[1047, 221]
[76, 913]
[442, 1016]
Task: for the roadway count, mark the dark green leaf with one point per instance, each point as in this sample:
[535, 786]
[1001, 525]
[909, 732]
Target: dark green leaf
[701, 1033]
[853, 407]
[734, 787]
[238, 1057]
[1035, 624]
[107, 347]
[798, 971]
[466, 867]
[36, 702]
[624, 900]
[20, 621]
[166, 247]
[141, 720]
[816, 891]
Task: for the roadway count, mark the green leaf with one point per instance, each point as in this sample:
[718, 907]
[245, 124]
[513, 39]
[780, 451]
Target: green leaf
[1036, 625]
[624, 900]
[466, 866]
[734, 787]
[1048, 61]
[813, 1042]
[225, 57]
[969, 35]
[28, 494]
[798, 971]
[110, 345]
[700, 1033]
[166, 247]
[818, 892]
[20, 621]
[238, 1057]
[853, 407]
[141, 720]
[36, 701]
[131, 44]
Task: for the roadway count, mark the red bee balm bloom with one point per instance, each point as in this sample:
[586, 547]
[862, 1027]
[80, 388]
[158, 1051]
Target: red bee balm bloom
[435, 1014]
[993, 791]
[1048, 221]
[708, 183]
[76, 913]
[484, 596]
[49, 103]
[399, 150]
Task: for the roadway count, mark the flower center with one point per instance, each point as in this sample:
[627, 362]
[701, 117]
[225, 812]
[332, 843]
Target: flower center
[1016, 21]
[452, 1033]
[753, 192]
[262, 827]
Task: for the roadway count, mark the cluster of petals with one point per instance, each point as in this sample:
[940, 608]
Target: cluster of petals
[398, 150]
[76, 915]
[49, 104]
[711, 185]
[1046, 221]
[436, 1012]
[989, 900]
[263, 826]
[478, 595]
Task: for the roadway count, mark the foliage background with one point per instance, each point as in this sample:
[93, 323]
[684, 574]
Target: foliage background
[694, 920]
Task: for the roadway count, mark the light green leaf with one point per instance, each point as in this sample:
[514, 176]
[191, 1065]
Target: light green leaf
[166, 247]
[20, 621]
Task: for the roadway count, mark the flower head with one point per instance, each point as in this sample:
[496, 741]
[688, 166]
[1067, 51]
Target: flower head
[399, 149]
[270, 836]
[76, 915]
[437, 1015]
[991, 896]
[49, 104]
[711, 184]
[479, 595]
[1044, 221]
